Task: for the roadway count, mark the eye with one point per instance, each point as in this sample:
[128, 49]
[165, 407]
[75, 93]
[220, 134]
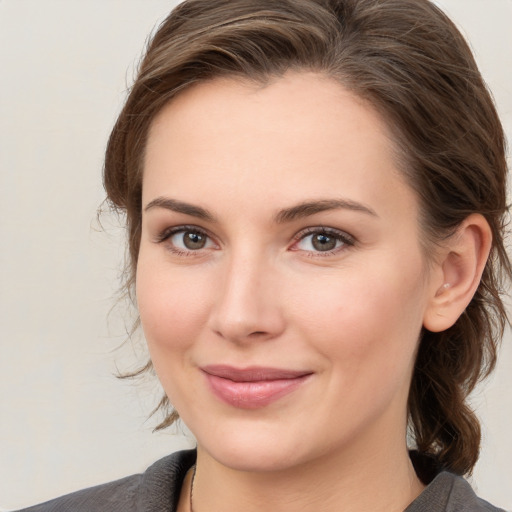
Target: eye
[189, 240]
[322, 240]
[185, 239]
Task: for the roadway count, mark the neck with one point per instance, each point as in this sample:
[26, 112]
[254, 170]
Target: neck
[377, 481]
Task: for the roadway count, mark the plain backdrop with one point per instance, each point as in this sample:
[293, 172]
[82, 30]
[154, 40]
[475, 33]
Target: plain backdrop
[65, 421]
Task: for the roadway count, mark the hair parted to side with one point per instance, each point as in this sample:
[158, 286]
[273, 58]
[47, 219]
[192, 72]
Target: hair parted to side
[408, 60]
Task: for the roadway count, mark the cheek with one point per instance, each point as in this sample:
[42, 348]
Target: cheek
[370, 321]
[172, 306]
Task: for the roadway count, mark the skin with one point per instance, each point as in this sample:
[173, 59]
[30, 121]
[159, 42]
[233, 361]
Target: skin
[260, 293]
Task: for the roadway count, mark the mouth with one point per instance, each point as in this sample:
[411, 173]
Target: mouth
[253, 387]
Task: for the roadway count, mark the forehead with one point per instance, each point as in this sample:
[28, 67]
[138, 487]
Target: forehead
[292, 104]
[303, 128]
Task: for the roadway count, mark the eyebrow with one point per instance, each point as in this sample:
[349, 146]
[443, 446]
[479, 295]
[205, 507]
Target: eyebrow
[311, 207]
[298, 211]
[180, 207]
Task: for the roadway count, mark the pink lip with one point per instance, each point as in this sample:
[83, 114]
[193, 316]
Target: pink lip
[252, 387]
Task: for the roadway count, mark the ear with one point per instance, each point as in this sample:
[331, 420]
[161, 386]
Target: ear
[457, 273]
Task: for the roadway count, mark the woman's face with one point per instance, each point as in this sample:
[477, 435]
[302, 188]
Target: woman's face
[280, 281]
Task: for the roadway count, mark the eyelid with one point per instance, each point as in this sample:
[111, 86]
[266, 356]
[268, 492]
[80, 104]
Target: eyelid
[164, 235]
[347, 239]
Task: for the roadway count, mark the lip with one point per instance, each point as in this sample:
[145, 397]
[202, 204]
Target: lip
[252, 387]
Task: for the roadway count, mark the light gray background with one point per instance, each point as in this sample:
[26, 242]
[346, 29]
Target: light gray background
[65, 421]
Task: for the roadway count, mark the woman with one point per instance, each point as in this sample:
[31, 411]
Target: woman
[315, 200]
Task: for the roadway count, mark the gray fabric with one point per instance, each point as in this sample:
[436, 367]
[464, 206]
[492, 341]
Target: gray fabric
[157, 490]
[449, 493]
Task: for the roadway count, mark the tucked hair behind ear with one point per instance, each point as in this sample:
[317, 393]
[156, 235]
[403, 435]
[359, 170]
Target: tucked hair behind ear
[410, 62]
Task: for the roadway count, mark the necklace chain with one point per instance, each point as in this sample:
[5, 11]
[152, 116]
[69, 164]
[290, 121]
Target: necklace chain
[192, 486]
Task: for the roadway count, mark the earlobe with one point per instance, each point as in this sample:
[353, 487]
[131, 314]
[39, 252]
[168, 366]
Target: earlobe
[461, 265]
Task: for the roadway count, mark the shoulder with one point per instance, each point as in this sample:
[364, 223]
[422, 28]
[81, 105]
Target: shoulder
[154, 490]
[119, 494]
[450, 493]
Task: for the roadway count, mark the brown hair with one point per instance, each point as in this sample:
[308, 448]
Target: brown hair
[410, 62]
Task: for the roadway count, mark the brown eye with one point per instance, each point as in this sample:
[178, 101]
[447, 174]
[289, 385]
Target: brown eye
[193, 240]
[188, 240]
[323, 242]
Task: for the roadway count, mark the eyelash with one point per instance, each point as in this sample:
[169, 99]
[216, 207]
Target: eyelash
[166, 234]
[346, 240]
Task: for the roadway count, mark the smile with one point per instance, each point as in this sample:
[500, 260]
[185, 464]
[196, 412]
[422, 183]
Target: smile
[254, 387]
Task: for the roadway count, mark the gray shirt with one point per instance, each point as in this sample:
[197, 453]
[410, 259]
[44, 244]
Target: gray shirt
[158, 488]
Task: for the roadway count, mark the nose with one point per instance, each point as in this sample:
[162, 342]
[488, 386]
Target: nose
[247, 306]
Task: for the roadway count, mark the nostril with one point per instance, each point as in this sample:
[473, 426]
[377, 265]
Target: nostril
[256, 334]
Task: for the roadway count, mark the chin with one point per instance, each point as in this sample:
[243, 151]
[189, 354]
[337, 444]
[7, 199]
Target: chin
[258, 450]
[254, 459]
